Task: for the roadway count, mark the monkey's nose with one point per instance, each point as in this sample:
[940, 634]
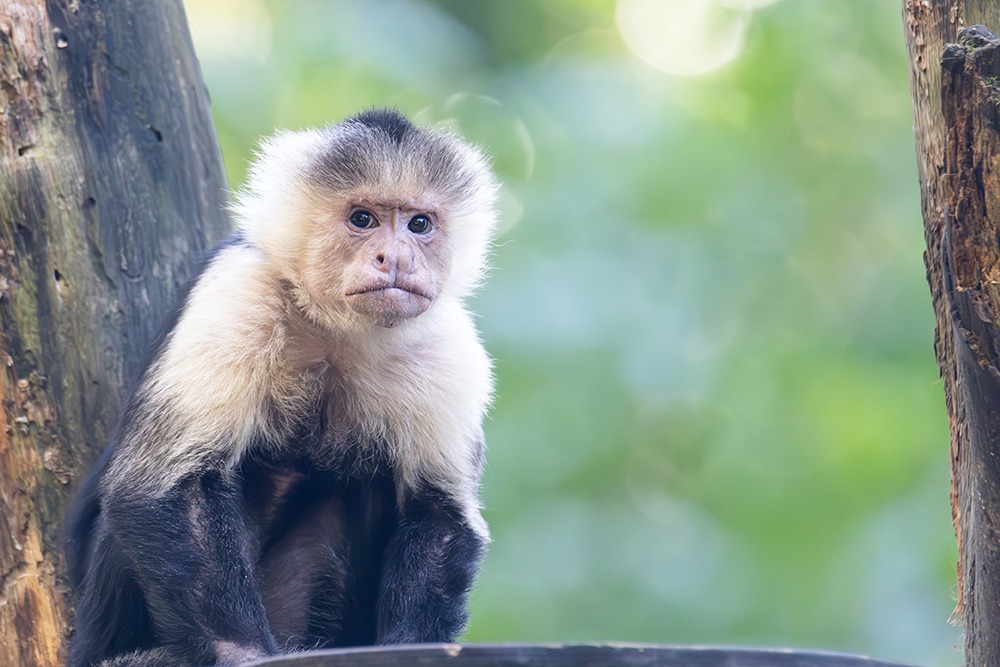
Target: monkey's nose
[391, 261]
[385, 262]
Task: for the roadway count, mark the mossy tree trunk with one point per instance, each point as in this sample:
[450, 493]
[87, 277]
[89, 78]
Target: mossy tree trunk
[954, 76]
[110, 188]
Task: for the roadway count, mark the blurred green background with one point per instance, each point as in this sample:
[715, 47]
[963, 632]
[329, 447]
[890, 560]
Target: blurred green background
[719, 419]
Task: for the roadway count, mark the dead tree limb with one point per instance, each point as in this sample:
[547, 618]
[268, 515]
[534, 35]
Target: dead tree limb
[954, 85]
[110, 188]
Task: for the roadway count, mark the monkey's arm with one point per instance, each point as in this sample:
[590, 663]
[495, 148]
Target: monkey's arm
[430, 565]
[190, 553]
[433, 556]
[170, 493]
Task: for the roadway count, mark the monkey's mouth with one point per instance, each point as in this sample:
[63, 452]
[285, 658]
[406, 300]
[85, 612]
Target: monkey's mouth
[389, 290]
[388, 305]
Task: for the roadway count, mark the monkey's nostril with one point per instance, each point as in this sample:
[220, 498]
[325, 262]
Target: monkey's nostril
[382, 262]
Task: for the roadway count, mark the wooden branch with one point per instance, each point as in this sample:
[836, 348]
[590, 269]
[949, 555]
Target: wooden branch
[954, 84]
[970, 259]
[110, 188]
[567, 655]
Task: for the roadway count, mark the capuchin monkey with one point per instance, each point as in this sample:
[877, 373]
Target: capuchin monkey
[299, 464]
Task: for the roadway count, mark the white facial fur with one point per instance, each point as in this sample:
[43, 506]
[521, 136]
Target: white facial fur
[283, 212]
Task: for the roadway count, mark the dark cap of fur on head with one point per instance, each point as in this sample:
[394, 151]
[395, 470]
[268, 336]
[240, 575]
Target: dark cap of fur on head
[380, 145]
[388, 121]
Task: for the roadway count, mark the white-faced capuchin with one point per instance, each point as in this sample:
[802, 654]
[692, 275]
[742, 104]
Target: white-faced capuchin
[298, 466]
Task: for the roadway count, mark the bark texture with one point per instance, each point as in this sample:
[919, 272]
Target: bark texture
[954, 73]
[110, 188]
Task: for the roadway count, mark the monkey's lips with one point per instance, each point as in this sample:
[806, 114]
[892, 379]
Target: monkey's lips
[387, 305]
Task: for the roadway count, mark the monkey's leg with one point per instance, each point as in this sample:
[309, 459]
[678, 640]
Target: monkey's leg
[193, 558]
[111, 615]
[303, 578]
[430, 565]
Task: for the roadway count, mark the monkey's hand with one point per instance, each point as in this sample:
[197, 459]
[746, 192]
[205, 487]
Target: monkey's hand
[430, 566]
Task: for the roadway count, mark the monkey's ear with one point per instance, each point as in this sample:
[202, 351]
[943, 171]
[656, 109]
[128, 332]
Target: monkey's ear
[269, 209]
[475, 224]
[280, 162]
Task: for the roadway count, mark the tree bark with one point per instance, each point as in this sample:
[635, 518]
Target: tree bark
[111, 185]
[954, 74]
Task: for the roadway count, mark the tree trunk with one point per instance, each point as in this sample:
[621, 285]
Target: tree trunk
[956, 126]
[110, 188]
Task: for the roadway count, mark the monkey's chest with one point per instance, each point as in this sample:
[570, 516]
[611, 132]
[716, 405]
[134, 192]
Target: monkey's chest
[358, 419]
[326, 443]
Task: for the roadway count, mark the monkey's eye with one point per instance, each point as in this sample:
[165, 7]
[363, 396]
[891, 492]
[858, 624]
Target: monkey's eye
[419, 224]
[361, 219]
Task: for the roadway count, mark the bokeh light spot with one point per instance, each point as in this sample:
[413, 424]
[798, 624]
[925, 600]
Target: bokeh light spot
[683, 37]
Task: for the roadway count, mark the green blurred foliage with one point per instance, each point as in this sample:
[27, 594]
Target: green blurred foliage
[718, 415]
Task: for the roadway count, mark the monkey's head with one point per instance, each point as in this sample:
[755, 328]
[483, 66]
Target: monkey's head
[371, 220]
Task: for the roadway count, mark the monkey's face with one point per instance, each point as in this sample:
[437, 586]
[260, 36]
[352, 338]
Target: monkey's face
[391, 256]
